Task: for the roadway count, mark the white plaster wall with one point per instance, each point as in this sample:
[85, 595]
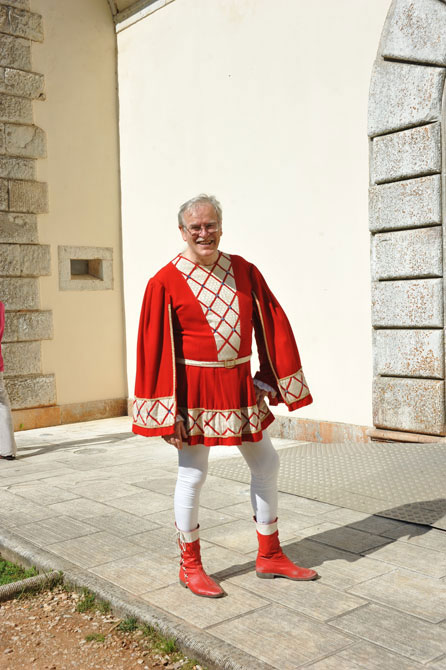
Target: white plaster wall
[80, 118]
[264, 104]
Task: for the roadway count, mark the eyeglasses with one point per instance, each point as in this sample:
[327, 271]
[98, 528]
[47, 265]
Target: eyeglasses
[195, 229]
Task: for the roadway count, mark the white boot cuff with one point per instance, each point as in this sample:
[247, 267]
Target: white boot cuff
[266, 528]
[188, 536]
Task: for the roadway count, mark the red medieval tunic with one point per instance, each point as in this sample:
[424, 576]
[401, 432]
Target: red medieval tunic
[195, 316]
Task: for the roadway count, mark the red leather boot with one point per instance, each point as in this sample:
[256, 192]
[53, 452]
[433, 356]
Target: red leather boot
[192, 574]
[271, 561]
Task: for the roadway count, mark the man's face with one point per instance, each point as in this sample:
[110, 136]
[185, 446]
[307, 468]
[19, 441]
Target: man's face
[202, 233]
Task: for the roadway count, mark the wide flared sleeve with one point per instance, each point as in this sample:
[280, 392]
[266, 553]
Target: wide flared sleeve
[155, 406]
[280, 365]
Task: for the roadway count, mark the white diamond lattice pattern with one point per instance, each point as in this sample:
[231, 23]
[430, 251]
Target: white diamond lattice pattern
[216, 291]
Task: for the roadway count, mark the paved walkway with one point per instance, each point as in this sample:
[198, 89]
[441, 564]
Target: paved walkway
[96, 501]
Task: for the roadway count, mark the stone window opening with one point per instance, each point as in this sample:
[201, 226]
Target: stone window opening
[86, 269]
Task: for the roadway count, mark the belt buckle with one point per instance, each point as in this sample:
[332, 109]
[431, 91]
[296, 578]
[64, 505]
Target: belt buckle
[231, 363]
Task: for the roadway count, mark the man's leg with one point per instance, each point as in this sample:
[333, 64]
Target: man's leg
[7, 442]
[192, 471]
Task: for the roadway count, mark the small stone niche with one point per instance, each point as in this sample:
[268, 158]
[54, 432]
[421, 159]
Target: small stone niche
[85, 268]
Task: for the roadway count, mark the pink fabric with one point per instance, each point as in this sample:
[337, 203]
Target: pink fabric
[2, 328]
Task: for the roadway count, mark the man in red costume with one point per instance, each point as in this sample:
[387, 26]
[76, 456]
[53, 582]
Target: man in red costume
[194, 385]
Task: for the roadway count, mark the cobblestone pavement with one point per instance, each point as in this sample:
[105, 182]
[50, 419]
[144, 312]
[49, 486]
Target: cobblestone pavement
[96, 501]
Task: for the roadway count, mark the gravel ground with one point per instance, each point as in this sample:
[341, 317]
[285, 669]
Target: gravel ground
[45, 631]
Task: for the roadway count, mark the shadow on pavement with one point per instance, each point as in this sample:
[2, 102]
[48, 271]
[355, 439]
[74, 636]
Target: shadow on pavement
[336, 543]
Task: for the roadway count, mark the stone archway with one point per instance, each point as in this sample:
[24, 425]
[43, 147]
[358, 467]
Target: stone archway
[406, 222]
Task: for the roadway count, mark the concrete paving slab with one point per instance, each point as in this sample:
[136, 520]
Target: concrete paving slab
[80, 508]
[408, 592]
[365, 656]
[182, 603]
[343, 537]
[55, 529]
[401, 633]
[142, 503]
[314, 599]
[42, 493]
[438, 665]
[139, 573]
[123, 524]
[281, 637]
[337, 568]
[208, 518]
[92, 550]
[137, 547]
[418, 559]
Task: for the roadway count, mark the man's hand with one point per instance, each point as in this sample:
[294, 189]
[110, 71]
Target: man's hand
[261, 394]
[176, 438]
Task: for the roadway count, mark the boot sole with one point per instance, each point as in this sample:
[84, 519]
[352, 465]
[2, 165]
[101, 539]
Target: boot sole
[202, 595]
[273, 575]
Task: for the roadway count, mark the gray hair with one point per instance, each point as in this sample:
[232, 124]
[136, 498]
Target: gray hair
[201, 199]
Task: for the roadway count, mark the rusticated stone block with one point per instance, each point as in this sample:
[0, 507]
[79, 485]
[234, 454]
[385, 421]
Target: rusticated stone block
[9, 260]
[27, 326]
[21, 358]
[15, 109]
[408, 304]
[29, 141]
[17, 168]
[2, 139]
[405, 204]
[409, 353]
[22, 84]
[4, 197]
[21, 4]
[19, 293]
[16, 228]
[28, 196]
[35, 260]
[21, 23]
[403, 95]
[408, 254]
[15, 52]
[25, 260]
[31, 391]
[415, 32]
[410, 153]
[415, 405]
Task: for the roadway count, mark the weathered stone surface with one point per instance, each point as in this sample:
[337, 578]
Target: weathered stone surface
[23, 84]
[17, 109]
[415, 32]
[17, 168]
[21, 4]
[409, 353]
[403, 95]
[27, 326]
[407, 304]
[405, 204]
[21, 23]
[409, 153]
[2, 139]
[407, 254]
[35, 260]
[19, 293]
[29, 141]
[21, 358]
[9, 260]
[15, 52]
[28, 196]
[16, 228]
[32, 391]
[415, 405]
[4, 197]
[25, 260]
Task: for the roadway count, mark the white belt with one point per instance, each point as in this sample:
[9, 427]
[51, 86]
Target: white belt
[214, 364]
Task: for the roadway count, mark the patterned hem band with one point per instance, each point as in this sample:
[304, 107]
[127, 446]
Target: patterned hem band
[214, 364]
